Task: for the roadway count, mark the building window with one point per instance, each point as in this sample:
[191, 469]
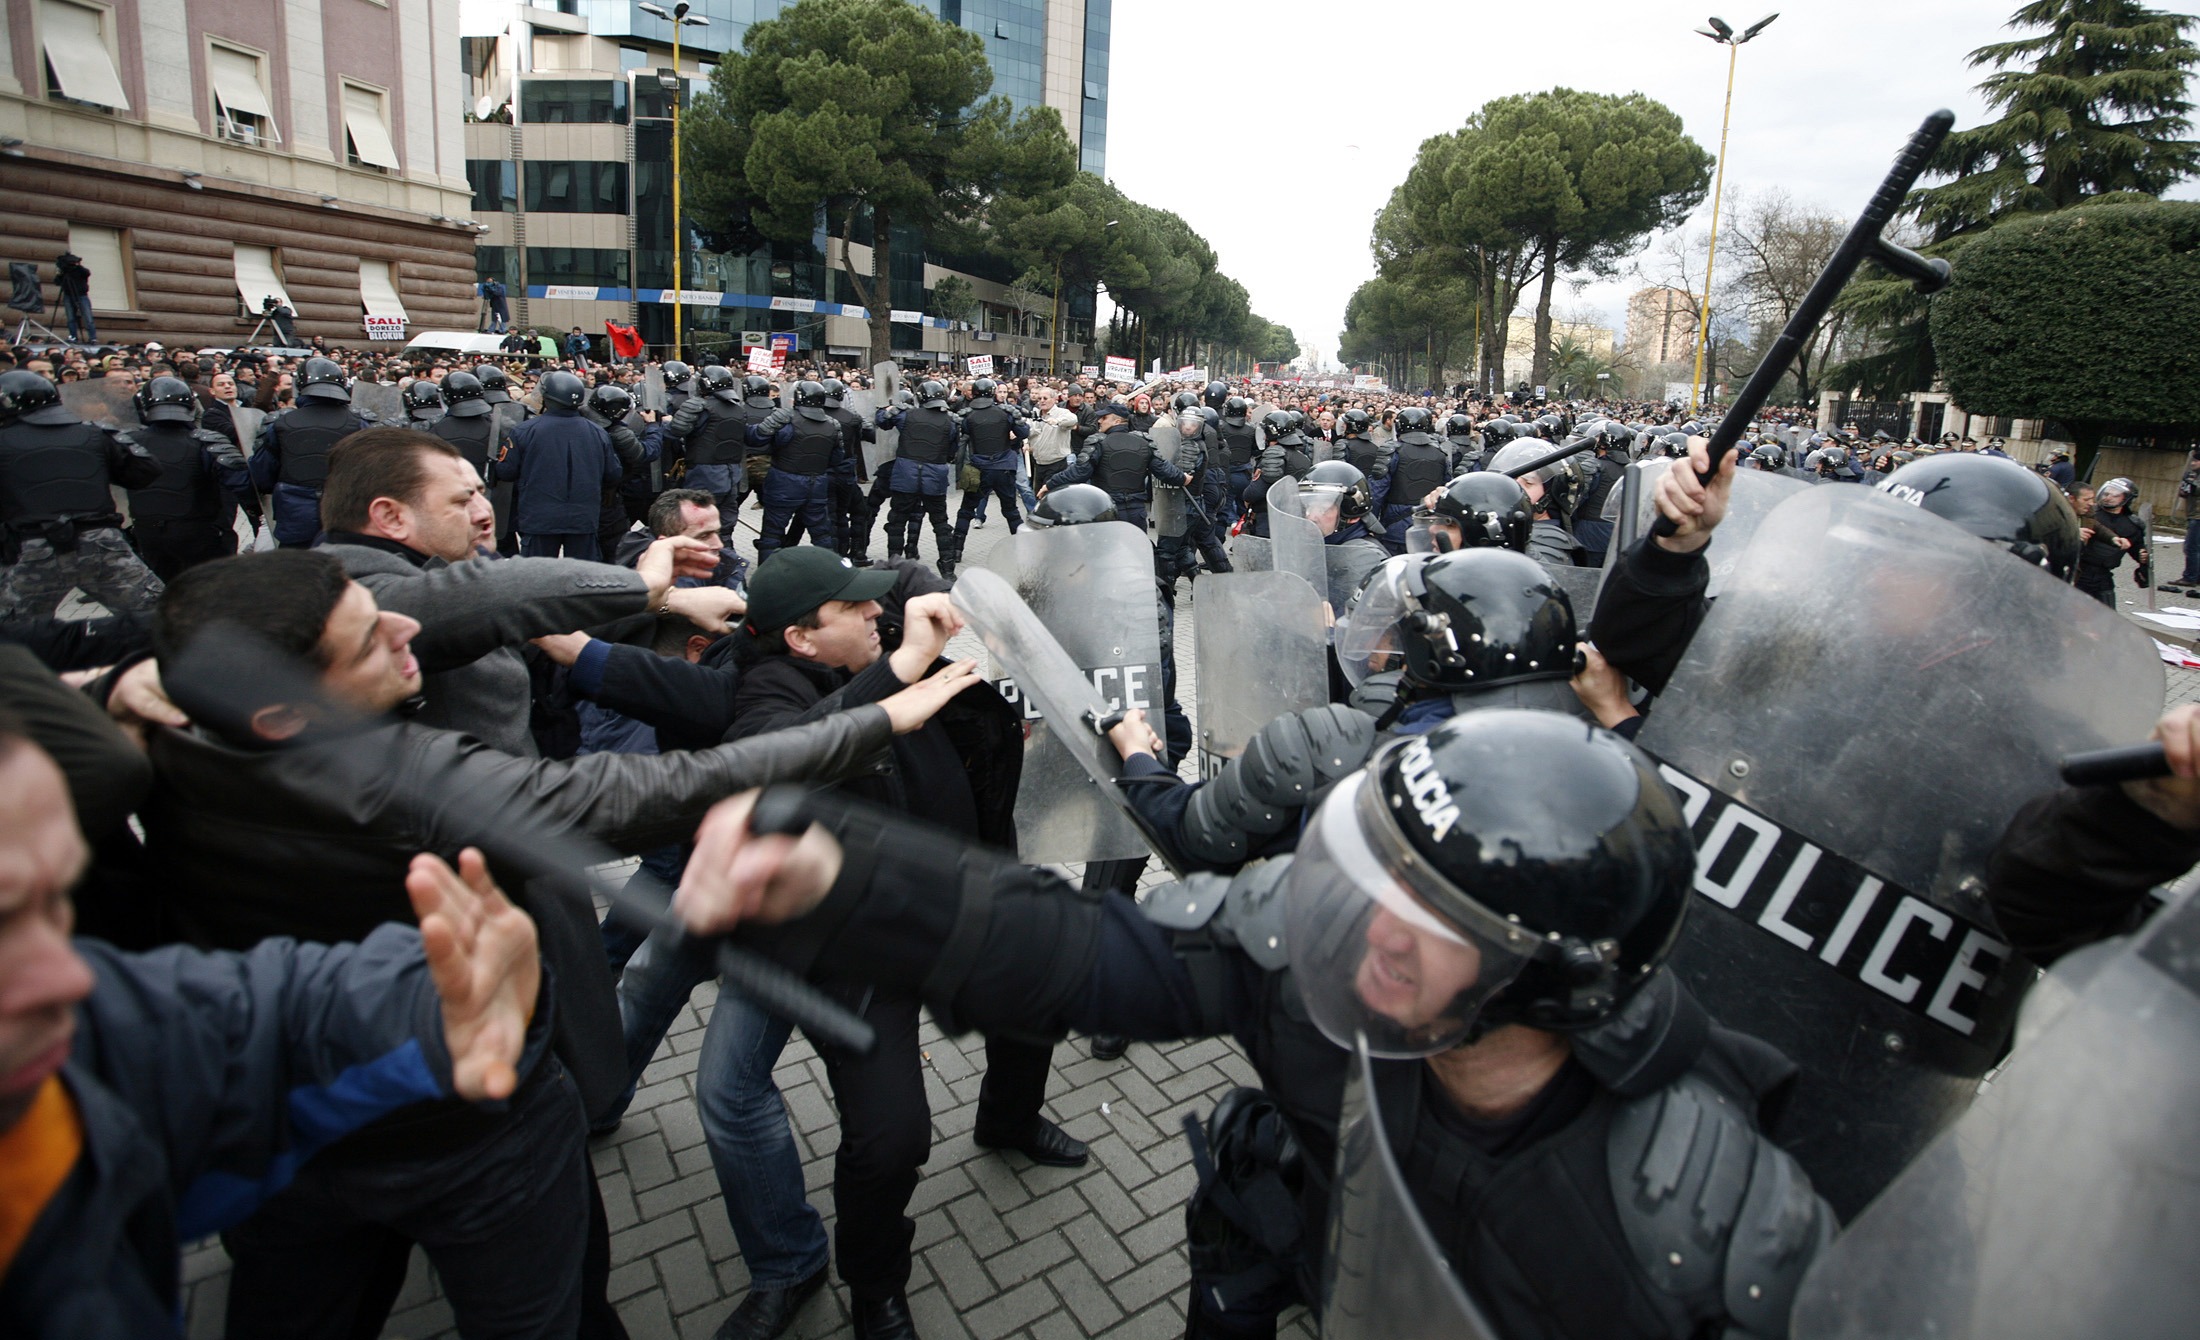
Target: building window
[601, 267]
[105, 252]
[573, 102]
[496, 185]
[242, 110]
[258, 280]
[378, 290]
[367, 142]
[80, 55]
[575, 188]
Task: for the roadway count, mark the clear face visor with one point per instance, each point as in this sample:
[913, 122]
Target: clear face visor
[1322, 504]
[1367, 638]
[1371, 958]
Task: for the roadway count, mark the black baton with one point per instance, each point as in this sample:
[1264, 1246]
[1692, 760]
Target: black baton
[2124, 763]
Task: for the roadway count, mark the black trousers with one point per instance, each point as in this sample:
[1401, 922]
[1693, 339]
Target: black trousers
[1001, 484]
[170, 546]
[886, 1132]
[911, 510]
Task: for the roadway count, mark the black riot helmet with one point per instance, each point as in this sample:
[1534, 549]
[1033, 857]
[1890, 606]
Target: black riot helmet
[1476, 618]
[1236, 407]
[1413, 419]
[1281, 425]
[1073, 505]
[1488, 509]
[1343, 480]
[493, 380]
[676, 374]
[1508, 867]
[756, 387]
[835, 392]
[933, 394]
[323, 379]
[1355, 423]
[1216, 394]
[168, 400]
[905, 398]
[809, 394]
[1997, 500]
[25, 392]
[1768, 456]
[985, 388]
[422, 399]
[718, 380]
[1184, 400]
[463, 396]
[1459, 425]
[564, 390]
[610, 403]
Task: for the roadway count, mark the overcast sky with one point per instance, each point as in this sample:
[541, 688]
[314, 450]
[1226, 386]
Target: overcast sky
[1278, 130]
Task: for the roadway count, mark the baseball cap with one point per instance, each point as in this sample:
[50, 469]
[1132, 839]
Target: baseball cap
[795, 581]
[1115, 407]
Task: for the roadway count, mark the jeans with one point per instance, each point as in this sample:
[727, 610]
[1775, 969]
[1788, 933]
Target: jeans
[2191, 574]
[78, 307]
[1023, 483]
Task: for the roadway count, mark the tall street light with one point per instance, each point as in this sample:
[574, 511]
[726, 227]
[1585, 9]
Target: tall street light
[1721, 32]
[679, 18]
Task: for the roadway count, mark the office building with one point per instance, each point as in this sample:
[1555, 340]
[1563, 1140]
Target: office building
[1661, 327]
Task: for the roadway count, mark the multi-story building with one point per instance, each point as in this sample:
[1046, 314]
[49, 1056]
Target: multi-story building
[1661, 326]
[204, 156]
[1520, 343]
[568, 152]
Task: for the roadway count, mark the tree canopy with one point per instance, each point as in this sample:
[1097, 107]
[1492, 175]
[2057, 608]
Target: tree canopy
[2082, 315]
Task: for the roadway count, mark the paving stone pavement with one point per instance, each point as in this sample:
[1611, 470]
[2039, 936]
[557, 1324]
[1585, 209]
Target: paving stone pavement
[1003, 1248]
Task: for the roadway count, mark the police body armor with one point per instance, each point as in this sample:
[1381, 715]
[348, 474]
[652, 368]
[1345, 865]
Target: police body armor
[186, 490]
[722, 436]
[303, 437]
[817, 436]
[1125, 458]
[1363, 454]
[927, 437]
[474, 437]
[1240, 444]
[1298, 458]
[991, 446]
[1604, 474]
[1422, 468]
[53, 471]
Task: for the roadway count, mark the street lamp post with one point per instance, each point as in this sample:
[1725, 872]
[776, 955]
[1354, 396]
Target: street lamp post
[679, 18]
[1719, 31]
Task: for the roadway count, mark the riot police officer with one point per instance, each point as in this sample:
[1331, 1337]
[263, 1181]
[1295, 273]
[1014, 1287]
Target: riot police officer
[189, 514]
[1466, 446]
[1494, 934]
[677, 375]
[291, 461]
[1480, 509]
[60, 526]
[496, 388]
[1194, 529]
[471, 422]
[608, 407]
[1240, 455]
[1549, 542]
[1358, 449]
[759, 402]
[881, 491]
[423, 401]
[1604, 468]
[561, 463]
[711, 431]
[850, 476]
[804, 452]
[1124, 464]
[1418, 466]
[994, 434]
[923, 462]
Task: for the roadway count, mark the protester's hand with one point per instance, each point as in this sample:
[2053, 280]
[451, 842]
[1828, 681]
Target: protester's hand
[674, 556]
[2085, 534]
[713, 608]
[915, 705]
[1693, 506]
[2122, 543]
[1602, 689]
[927, 622]
[735, 876]
[1133, 736]
[564, 648]
[481, 952]
[2175, 799]
[138, 701]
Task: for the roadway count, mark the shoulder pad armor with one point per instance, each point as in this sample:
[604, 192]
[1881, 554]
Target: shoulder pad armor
[1287, 766]
[1718, 1217]
[209, 437]
[1245, 909]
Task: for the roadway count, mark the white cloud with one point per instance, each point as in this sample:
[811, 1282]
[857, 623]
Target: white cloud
[1278, 130]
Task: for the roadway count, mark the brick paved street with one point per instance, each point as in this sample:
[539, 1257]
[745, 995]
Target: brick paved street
[1003, 1248]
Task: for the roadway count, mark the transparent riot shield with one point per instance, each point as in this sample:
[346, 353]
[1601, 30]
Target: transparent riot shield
[652, 395]
[885, 380]
[1168, 509]
[386, 404]
[1259, 641]
[1295, 542]
[1581, 586]
[1756, 493]
[1251, 553]
[2067, 1200]
[1850, 751]
[109, 403]
[1385, 1277]
[1091, 589]
[1347, 565]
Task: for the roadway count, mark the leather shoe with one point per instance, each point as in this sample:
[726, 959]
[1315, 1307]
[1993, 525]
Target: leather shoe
[1109, 1046]
[1041, 1141]
[767, 1312]
[884, 1319]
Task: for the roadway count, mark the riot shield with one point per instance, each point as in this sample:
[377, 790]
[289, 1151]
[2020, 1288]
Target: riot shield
[1296, 543]
[1091, 588]
[1756, 493]
[385, 403]
[1384, 1276]
[1168, 510]
[2063, 1202]
[885, 380]
[1581, 586]
[105, 402]
[1347, 565]
[1259, 642]
[1849, 752]
[652, 395]
[1251, 553]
